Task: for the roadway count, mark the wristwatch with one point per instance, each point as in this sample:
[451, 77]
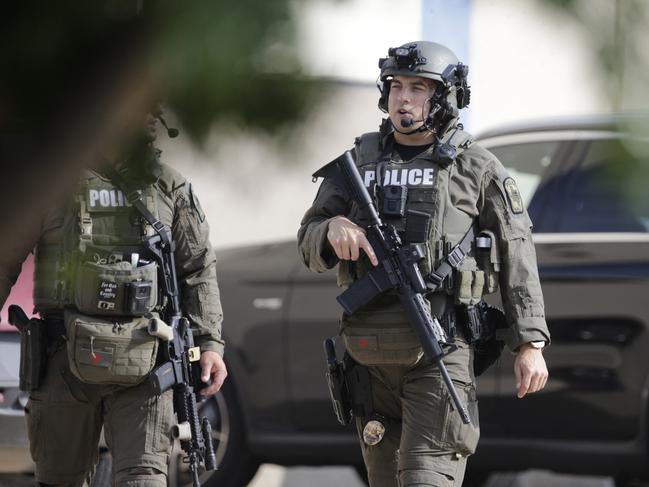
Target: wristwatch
[539, 345]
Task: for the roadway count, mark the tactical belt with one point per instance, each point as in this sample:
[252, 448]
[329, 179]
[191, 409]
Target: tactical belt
[452, 260]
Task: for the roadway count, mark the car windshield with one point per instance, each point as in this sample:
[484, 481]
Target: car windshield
[526, 163]
[607, 192]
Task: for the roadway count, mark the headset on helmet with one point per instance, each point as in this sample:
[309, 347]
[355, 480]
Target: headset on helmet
[433, 61]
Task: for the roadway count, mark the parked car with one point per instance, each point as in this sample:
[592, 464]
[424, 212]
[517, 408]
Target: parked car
[14, 447]
[592, 240]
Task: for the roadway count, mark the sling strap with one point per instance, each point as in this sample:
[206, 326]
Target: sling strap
[134, 196]
[452, 260]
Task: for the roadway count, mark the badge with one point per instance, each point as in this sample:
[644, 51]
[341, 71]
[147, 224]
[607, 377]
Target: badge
[373, 432]
[514, 196]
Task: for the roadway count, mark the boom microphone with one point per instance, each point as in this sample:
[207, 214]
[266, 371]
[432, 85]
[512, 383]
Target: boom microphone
[171, 132]
[409, 122]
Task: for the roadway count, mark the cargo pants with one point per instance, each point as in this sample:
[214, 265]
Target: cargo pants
[426, 443]
[65, 419]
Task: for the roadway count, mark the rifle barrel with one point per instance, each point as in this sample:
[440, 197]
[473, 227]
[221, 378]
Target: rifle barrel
[362, 196]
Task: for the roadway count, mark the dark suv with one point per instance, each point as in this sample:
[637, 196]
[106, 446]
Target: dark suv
[592, 239]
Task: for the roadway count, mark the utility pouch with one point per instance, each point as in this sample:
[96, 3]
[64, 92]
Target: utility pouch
[359, 385]
[417, 226]
[382, 346]
[117, 289]
[469, 286]
[488, 259]
[472, 317]
[489, 347]
[33, 348]
[118, 350]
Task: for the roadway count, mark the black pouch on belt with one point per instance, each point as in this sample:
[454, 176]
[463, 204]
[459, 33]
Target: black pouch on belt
[32, 348]
[489, 347]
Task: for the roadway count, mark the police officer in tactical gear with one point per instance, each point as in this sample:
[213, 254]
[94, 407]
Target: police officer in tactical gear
[97, 289]
[432, 182]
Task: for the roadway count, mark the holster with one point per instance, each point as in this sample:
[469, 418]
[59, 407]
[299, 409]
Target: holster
[349, 386]
[33, 348]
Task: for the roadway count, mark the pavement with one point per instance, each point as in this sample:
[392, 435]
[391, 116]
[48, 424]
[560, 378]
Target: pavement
[277, 476]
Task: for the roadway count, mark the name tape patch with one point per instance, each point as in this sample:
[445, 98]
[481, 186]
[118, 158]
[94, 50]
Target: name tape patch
[106, 199]
[402, 177]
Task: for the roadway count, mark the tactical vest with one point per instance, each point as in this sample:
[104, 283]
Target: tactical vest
[97, 261]
[415, 197]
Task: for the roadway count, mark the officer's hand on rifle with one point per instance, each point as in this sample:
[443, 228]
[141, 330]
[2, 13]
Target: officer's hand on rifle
[346, 239]
[212, 367]
[530, 370]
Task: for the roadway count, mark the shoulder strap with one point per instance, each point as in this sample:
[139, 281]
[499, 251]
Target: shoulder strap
[452, 260]
[368, 147]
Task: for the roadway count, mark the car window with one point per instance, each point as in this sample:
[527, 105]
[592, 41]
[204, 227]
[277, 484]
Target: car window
[526, 163]
[606, 192]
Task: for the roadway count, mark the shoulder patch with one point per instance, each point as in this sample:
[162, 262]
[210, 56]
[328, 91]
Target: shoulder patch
[514, 196]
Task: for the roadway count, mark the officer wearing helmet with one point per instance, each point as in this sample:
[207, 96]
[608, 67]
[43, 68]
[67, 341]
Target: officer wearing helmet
[97, 287]
[435, 185]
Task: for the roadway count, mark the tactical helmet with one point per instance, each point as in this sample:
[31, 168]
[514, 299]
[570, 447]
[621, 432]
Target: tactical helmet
[433, 61]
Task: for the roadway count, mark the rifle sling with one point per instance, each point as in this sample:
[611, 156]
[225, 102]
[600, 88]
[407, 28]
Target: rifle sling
[451, 261]
[134, 196]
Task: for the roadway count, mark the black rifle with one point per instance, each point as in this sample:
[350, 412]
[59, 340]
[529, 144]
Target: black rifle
[180, 366]
[398, 269]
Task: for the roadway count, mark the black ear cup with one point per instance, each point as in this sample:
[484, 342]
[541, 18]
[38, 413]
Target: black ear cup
[384, 89]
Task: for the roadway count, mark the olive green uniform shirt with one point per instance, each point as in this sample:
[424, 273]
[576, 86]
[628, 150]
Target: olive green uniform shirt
[178, 208]
[479, 187]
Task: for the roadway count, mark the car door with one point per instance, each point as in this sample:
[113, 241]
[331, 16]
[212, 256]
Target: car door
[594, 266]
[535, 161]
[255, 289]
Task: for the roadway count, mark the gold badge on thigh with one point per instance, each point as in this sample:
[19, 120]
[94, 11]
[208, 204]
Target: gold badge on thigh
[374, 431]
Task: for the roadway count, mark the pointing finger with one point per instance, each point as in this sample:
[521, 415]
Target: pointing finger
[367, 247]
[354, 248]
[344, 250]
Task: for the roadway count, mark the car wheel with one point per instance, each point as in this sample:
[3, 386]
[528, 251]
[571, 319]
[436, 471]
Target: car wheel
[236, 465]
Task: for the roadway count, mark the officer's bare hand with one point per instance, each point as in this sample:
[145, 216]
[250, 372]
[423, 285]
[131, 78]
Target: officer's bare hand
[212, 366]
[346, 239]
[530, 370]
